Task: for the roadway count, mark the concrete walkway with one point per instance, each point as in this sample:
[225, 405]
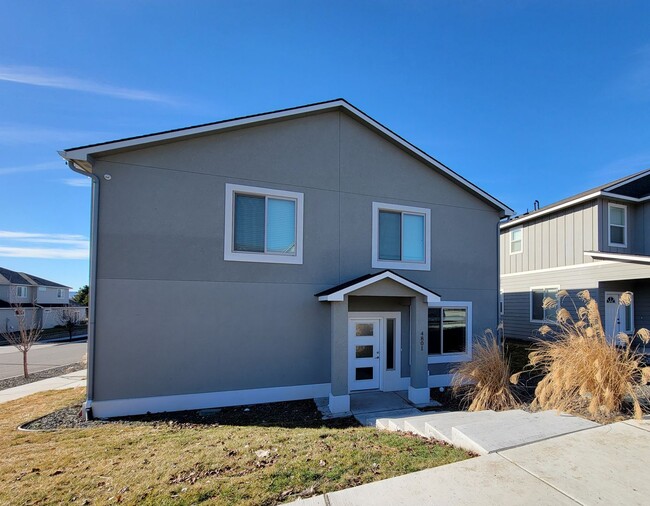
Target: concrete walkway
[602, 465]
[71, 380]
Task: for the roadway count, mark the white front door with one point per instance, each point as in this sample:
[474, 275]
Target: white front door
[375, 351]
[364, 340]
[618, 318]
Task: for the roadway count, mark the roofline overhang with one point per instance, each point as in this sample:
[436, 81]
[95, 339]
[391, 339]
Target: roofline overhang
[553, 208]
[83, 156]
[619, 257]
[339, 295]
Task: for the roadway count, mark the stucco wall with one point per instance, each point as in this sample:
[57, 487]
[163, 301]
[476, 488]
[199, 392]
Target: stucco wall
[174, 317]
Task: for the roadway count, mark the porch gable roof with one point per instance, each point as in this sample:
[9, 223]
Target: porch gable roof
[338, 293]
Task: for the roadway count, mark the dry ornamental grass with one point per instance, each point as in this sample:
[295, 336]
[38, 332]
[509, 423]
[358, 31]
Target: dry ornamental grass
[484, 381]
[582, 368]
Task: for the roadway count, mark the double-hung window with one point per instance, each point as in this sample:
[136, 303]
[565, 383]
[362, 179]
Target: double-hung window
[263, 225]
[450, 331]
[59, 293]
[516, 240]
[21, 292]
[617, 221]
[537, 311]
[401, 237]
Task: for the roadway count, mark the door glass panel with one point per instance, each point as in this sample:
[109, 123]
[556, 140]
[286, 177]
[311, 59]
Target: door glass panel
[390, 344]
[364, 351]
[363, 373]
[364, 329]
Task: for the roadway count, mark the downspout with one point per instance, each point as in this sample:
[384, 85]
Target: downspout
[94, 213]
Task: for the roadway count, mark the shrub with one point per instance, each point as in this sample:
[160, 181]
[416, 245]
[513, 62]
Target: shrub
[484, 381]
[581, 367]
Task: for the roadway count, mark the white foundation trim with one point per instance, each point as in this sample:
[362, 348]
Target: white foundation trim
[168, 403]
[440, 380]
[419, 395]
[339, 403]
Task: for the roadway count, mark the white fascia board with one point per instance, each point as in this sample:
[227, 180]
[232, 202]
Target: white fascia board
[83, 154]
[339, 296]
[619, 256]
[523, 219]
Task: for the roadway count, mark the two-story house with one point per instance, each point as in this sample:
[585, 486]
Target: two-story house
[302, 253]
[39, 297]
[598, 240]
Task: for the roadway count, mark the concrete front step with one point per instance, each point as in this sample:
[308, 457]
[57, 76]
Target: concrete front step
[502, 432]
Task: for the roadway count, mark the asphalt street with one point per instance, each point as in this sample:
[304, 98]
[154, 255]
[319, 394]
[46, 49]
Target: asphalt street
[40, 357]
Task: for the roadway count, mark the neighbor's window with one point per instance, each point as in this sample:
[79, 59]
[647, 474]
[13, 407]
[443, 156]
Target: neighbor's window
[21, 292]
[537, 311]
[617, 225]
[401, 237]
[516, 240]
[449, 331]
[59, 293]
[263, 225]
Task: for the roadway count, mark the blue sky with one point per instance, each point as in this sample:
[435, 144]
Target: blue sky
[527, 99]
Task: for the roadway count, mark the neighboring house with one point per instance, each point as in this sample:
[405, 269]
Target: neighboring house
[38, 297]
[308, 252]
[598, 240]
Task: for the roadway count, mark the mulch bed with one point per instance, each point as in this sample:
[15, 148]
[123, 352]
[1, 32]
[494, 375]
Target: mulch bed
[41, 375]
[278, 414]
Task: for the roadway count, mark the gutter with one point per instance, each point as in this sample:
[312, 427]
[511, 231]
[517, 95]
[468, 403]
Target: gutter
[90, 383]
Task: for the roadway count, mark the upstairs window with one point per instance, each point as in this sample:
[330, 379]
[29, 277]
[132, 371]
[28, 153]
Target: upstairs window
[59, 293]
[617, 220]
[537, 311]
[400, 237]
[21, 292]
[263, 225]
[516, 240]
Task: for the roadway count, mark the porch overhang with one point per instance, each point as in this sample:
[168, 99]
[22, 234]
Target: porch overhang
[338, 293]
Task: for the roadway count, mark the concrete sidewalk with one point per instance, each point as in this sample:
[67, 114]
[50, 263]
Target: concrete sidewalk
[71, 380]
[602, 465]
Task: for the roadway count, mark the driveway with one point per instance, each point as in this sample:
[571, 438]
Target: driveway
[40, 357]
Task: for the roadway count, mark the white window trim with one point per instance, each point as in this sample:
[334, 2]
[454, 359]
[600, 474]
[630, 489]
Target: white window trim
[229, 254]
[455, 357]
[59, 293]
[610, 225]
[395, 264]
[21, 292]
[530, 303]
[521, 241]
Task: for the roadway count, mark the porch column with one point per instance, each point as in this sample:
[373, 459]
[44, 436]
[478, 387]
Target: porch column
[340, 394]
[419, 387]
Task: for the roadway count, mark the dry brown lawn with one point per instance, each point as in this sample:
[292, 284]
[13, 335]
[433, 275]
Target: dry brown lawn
[159, 463]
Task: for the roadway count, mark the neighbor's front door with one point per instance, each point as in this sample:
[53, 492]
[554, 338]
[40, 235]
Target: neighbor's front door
[363, 337]
[618, 318]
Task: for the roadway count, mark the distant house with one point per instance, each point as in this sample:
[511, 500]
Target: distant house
[309, 252]
[20, 291]
[598, 240]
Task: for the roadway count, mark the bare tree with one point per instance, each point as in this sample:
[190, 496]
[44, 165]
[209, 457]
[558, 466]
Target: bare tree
[69, 318]
[27, 334]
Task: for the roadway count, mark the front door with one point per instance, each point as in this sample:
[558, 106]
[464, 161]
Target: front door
[364, 342]
[618, 318]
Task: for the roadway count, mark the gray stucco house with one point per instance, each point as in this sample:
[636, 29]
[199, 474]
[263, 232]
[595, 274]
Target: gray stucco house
[307, 252]
[597, 240]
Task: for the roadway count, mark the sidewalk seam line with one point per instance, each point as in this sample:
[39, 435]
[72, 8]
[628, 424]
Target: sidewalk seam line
[540, 479]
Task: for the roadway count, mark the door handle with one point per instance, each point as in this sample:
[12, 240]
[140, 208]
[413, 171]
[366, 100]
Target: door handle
[377, 356]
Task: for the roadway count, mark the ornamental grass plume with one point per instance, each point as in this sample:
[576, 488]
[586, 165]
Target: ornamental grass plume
[484, 381]
[582, 367]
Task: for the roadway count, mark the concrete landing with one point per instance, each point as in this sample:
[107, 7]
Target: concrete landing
[368, 407]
